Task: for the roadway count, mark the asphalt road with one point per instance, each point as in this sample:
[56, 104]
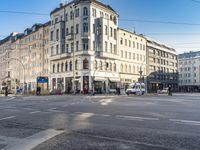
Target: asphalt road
[100, 122]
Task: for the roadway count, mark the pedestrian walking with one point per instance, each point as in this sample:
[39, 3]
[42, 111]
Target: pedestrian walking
[170, 91]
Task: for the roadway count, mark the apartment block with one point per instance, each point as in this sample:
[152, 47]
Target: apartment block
[25, 57]
[162, 66]
[189, 71]
[132, 57]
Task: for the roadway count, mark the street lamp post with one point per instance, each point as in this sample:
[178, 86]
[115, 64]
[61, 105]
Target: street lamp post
[140, 79]
[23, 70]
[73, 34]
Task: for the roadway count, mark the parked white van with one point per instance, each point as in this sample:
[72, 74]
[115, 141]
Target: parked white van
[136, 88]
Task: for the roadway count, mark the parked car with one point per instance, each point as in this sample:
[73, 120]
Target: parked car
[163, 91]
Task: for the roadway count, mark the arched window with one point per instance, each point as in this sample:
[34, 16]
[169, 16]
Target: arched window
[122, 68]
[53, 68]
[85, 11]
[115, 67]
[85, 27]
[62, 67]
[76, 65]
[70, 65]
[66, 66]
[85, 64]
[58, 67]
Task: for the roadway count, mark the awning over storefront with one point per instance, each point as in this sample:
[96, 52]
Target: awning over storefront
[114, 79]
[99, 79]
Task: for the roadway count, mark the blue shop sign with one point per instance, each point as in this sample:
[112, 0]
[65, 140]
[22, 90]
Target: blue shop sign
[42, 80]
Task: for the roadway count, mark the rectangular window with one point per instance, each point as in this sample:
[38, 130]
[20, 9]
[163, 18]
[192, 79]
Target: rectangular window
[72, 29]
[63, 49]
[67, 48]
[111, 32]
[106, 30]
[94, 12]
[77, 45]
[122, 54]
[133, 56]
[106, 46]
[94, 28]
[72, 47]
[85, 45]
[111, 48]
[94, 46]
[57, 34]
[115, 34]
[115, 49]
[133, 44]
[66, 17]
[77, 28]
[51, 35]
[77, 12]
[63, 33]
[121, 41]
[57, 49]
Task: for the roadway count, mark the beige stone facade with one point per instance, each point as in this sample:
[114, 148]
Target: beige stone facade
[132, 57]
[89, 28]
[26, 57]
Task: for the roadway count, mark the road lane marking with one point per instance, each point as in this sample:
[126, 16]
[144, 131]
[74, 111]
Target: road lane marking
[102, 115]
[53, 108]
[6, 118]
[32, 109]
[186, 122]
[33, 141]
[56, 111]
[136, 118]
[94, 114]
[35, 112]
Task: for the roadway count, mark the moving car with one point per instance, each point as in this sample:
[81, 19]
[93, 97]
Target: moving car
[136, 88]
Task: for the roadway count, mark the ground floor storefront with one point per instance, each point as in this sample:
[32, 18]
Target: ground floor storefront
[153, 87]
[84, 84]
[189, 88]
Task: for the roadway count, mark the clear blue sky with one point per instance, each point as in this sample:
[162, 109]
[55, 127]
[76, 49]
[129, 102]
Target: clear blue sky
[155, 10]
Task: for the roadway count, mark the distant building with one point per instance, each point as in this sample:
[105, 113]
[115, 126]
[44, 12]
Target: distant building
[162, 67]
[189, 71]
[24, 57]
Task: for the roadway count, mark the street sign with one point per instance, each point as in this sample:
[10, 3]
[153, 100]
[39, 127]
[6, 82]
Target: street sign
[42, 79]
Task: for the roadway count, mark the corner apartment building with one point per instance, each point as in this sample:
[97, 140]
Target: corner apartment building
[132, 57]
[89, 29]
[189, 71]
[25, 57]
[161, 67]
